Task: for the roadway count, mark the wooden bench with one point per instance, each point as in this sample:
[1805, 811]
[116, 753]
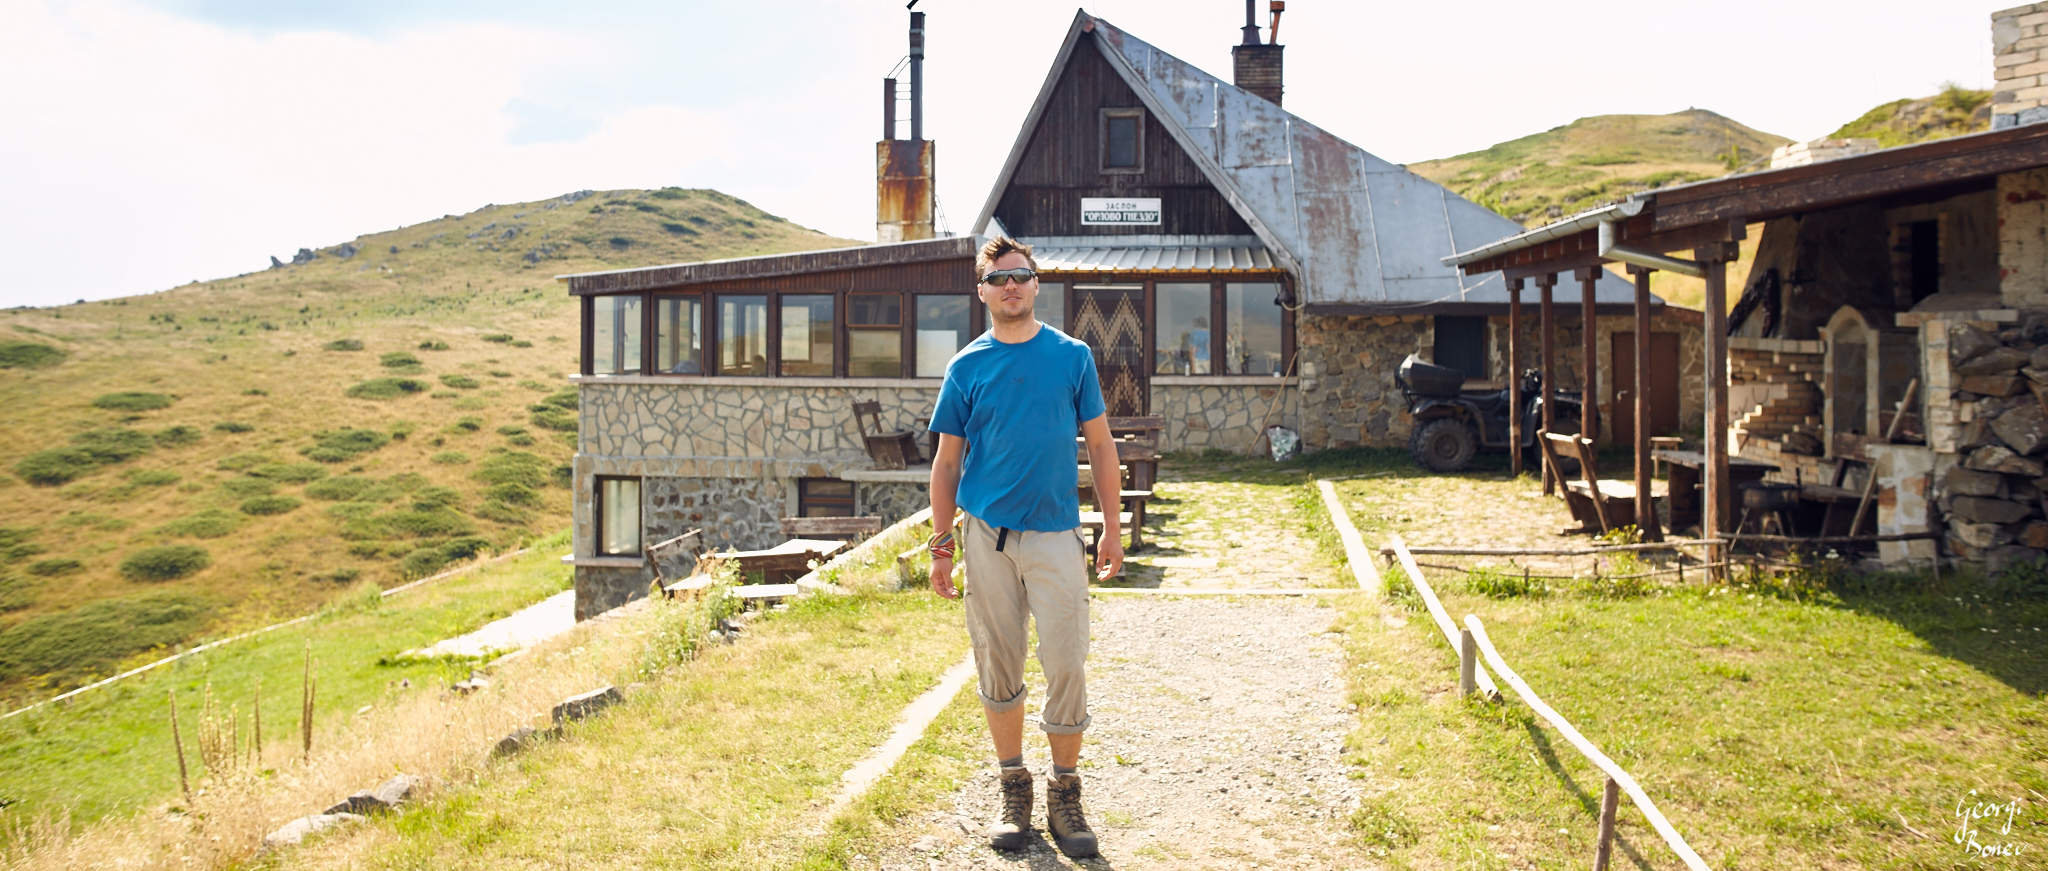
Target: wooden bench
[1600, 506]
[844, 528]
[895, 449]
[674, 562]
[1092, 522]
[765, 595]
[1133, 501]
[780, 564]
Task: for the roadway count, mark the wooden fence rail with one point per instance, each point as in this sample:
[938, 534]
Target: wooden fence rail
[1437, 612]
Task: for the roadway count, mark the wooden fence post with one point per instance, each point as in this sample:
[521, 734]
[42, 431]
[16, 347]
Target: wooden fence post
[1468, 655]
[1610, 798]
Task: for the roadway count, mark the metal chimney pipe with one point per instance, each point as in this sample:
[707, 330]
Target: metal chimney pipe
[1251, 23]
[917, 76]
[888, 110]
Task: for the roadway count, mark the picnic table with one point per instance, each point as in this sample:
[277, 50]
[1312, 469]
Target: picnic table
[1093, 522]
[1685, 470]
[779, 564]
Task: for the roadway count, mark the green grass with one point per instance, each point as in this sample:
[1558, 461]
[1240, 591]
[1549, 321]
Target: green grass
[107, 752]
[1954, 111]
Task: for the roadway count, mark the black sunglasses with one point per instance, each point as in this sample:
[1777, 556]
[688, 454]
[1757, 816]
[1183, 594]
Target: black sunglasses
[1001, 277]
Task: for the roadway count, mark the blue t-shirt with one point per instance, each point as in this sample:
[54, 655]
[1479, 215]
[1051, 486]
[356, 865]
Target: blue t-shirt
[1019, 407]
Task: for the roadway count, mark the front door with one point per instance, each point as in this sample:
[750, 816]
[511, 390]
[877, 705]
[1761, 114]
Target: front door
[1110, 319]
[1663, 385]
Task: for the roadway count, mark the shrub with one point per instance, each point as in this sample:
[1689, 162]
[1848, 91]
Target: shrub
[548, 417]
[564, 475]
[513, 467]
[342, 445]
[113, 444]
[231, 426]
[435, 498]
[351, 510]
[14, 542]
[212, 523]
[499, 373]
[132, 401]
[408, 524]
[289, 473]
[100, 633]
[397, 360]
[265, 506]
[515, 494]
[344, 345]
[500, 338]
[535, 386]
[400, 429]
[521, 343]
[56, 466]
[177, 436]
[258, 391]
[422, 562]
[444, 394]
[467, 424]
[466, 547]
[433, 345]
[29, 355]
[450, 458]
[244, 488]
[343, 575]
[386, 388]
[153, 477]
[520, 440]
[343, 489]
[499, 512]
[461, 382]
[165, 562]
[53, 567]
[240, 462]
[511, 430]
[406, 482]
[1501, 582]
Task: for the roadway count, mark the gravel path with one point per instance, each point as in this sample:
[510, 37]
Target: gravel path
[1217, 743]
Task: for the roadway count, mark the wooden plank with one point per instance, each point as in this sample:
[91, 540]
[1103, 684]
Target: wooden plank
[800, 526]
[1672, 544]
[1564, 727]
[1436, 609]
[1362, 568]
[1589, 364]
[1546, 326]
[1646, 504]
[1514, 377]
[1714, 514]
[755, 592]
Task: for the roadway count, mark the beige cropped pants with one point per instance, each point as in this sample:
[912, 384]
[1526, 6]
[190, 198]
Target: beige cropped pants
[1044, 576]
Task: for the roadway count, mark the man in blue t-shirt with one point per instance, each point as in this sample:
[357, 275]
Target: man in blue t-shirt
[1007, 414]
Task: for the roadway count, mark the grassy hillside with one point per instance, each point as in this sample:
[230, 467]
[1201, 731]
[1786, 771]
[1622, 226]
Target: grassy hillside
[1598, 160]
[1953, 112]
[228, 452]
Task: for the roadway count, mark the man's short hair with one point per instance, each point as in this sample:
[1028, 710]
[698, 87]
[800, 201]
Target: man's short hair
[995, 250]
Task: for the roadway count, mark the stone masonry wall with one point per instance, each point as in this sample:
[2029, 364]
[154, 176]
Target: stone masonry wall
[892, 501]
[2019, 61]
[1995, 494]
[1223, 416]
[745, 430]
[2023, 238]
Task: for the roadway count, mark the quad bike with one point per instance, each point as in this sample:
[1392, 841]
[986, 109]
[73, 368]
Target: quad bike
[1452, 425]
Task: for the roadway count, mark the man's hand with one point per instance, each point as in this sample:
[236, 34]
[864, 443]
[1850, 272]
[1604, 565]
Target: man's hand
[1109, 557]
[942, 577]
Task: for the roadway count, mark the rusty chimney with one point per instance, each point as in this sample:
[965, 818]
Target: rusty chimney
[903, 167]
[1257, 65]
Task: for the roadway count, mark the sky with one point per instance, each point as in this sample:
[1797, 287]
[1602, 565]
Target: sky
[151, 143]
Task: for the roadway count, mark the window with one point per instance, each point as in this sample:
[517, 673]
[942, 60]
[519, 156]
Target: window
[618, 517]
[807, 335]
[941, 331]
[874, 335]
[824, 497]
[742, 335]
[1251, 318]
[1123, 140]
[615, 335]
[1183, 325]
[1923, 255]
[1461, 345]
[1050, 308]
[678, 327]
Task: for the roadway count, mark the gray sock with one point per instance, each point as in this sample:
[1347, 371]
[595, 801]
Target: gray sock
[1016, 761]
[1062, 771]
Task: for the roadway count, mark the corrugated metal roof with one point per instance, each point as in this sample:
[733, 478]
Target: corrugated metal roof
[1154, 259]
[1355, 229]
[772, 265]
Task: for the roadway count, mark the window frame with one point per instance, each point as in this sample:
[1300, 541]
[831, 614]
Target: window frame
[653, 347]
[805, 500]
[1218, 335]
[597, 514]
[1102, 140]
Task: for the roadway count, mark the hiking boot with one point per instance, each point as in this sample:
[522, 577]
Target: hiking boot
[1010, 831]
[1065, 818]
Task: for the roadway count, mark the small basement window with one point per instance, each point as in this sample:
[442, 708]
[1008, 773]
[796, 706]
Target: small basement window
[618, 516]
[1461, 344]
[1123, 140]
[824, 497]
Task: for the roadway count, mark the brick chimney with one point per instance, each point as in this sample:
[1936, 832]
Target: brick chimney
[1255, 65]
[2019, 52]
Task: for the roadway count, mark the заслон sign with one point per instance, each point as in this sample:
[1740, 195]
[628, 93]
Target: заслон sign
[1097, 211]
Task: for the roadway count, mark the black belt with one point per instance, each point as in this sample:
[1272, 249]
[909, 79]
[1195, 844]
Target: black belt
[1002, 535]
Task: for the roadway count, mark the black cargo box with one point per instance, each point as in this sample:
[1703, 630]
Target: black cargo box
[1427, 379]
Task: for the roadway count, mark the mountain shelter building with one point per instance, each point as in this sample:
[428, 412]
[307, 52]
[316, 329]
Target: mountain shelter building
[1231, 264]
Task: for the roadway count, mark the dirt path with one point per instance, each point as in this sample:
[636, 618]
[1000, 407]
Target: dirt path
[1217, 743]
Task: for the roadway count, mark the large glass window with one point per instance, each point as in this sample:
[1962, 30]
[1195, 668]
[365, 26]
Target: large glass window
[1461, 344]
[678, 331]
[1183, 324]
[618, 516]
[1251, 343]
[807, 335]
[874, 335]
[615, 335]
[742, 335]
[941, 331]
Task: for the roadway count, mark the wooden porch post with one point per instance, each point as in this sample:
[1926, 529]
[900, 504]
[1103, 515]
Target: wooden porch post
[1646, 505]
[1589, 322]
[1716, 520]
[1514, 377]
[1547, 326]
